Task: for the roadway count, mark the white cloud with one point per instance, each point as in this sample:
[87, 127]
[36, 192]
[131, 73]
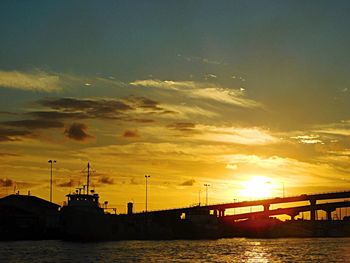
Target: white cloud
[308, 139]
[271, 162]
[164, 84]
[32, 81]
[208, 91]
[244, 136]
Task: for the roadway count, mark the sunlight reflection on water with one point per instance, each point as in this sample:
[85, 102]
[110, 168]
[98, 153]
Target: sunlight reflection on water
[222, 250]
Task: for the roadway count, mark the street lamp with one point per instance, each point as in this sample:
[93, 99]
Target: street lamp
[234, 209]
[206, 197]
[146, 176]
[51, 162]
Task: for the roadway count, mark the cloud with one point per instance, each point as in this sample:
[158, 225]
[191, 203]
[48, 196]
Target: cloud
[34, 124]
[210, 76]
[51, 115]
[308, 139]
[6, 182]
[105, 180]
[32, 81]
[190, 182]
[188, 112]
[200, 60]
[164, 84]
[237, 135]
[231, 166]
[101, 108]
[3, 154]
[77, 131]
[182, 126]
[12, 135]
[69, 183]
[200, 90]
[271, 162]
[131, 134]
[133, 181]
[145, 105]
[90, 108]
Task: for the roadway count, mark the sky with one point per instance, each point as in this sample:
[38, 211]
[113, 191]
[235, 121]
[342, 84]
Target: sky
[250, 97]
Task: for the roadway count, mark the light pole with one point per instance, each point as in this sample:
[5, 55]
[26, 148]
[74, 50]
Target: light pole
[206, 196]
[51, 162]
[147, 176]
[234, 209]
[199, 197]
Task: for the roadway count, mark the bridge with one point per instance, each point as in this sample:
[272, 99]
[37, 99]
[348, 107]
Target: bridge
[219, 209]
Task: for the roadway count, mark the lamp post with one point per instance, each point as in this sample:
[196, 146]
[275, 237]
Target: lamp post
[51, 163]
[147, 176]
[234, 209]
[206, 196]
[199, 197]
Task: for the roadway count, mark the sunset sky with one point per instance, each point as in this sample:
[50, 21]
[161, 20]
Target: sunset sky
[235, 94]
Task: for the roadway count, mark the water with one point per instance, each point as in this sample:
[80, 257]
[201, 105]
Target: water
[223, 250]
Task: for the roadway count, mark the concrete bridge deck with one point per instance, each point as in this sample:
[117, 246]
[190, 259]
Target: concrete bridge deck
[219, 209]
[291, 211]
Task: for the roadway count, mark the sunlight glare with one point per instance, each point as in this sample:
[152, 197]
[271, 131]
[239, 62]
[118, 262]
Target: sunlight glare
[257, 187]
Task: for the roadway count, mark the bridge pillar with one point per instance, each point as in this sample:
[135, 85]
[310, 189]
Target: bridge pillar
[312, 209]
[216, 213]
[329, 213]
[221, 213]
[266, 209]
[293, 215]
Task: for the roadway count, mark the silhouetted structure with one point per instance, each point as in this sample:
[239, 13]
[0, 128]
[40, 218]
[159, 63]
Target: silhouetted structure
[84, 218]
[28, 217]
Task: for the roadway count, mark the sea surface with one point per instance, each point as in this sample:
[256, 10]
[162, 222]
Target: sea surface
[222, 250]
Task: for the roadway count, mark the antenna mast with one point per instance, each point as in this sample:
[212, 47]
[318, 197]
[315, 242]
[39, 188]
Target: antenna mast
[88, 179]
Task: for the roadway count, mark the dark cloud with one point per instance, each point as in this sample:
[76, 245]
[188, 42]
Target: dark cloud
[182, 126]
[8, 113]
[9, 154]
[105, 180]
[6, 182]
[12, 135]
[148, 105]
[123, 109]
[69, 183]
[88, 108]
[34, 124]
[139, 120]
[188, 183]
[133, 181]
[131, 134]
[77, 131]
[53, 115]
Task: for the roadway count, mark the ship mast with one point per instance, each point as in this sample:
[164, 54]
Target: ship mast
[88, 179]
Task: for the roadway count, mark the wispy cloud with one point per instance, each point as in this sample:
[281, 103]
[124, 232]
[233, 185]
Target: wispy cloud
[201, 90]
[200, 60]
[182, 126]
[105, 180]
[31, 81]
[308, 139]
[237, 135]
[164, 84]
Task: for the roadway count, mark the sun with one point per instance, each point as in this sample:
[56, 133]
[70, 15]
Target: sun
[257, 187]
